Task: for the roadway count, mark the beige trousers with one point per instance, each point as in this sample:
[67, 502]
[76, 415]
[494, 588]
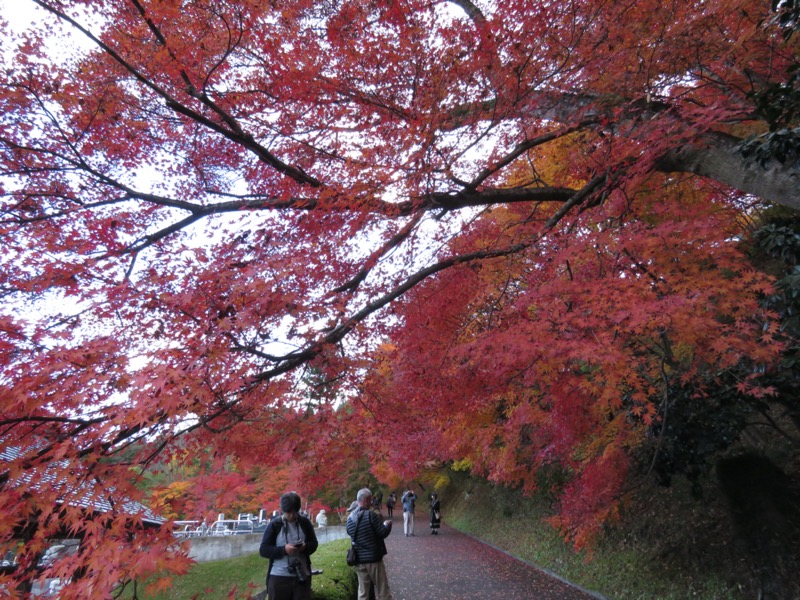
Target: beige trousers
[374, 573]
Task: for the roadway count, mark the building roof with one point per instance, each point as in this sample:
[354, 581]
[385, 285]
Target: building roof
[81, 497]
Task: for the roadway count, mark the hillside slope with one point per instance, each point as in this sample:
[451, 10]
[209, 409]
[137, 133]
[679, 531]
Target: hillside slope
[665, 546]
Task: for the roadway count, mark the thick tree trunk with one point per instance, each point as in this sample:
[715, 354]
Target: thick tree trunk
[720, 160]
[714, 155]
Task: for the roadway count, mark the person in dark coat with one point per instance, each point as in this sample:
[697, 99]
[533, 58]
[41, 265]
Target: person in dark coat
[390, 502]
[367, 532]
[288, 542]
[436, 517]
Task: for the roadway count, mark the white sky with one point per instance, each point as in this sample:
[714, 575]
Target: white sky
[19, 13]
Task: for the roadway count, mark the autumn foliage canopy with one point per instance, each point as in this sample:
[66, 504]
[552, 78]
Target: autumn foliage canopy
[492, 234]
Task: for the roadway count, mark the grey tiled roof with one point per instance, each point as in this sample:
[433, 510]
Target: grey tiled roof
[84, 500]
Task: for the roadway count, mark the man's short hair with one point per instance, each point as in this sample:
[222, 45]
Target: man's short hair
[363, 493]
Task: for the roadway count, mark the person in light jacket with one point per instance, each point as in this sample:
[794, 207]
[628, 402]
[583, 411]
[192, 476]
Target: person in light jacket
[367, 532]
[409, 501]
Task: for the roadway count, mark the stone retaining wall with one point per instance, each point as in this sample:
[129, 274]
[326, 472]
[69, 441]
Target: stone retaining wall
[210, 548]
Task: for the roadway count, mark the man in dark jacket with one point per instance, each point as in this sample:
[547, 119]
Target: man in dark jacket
[367, 532]
[288, 542]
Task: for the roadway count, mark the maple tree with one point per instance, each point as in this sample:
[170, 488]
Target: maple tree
[203, 199]
[558, 370]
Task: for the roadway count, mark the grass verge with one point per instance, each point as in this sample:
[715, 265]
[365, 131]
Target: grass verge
[242, 577]
[664, 550]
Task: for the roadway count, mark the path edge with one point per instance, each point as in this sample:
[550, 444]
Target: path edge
[548, 572]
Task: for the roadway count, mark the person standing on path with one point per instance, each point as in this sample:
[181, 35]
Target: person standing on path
[288, 542]
[409, 500]
[367, 532]
[436, 517]
[390, 502]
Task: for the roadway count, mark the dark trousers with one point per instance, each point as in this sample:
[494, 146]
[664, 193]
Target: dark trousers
[288, 588]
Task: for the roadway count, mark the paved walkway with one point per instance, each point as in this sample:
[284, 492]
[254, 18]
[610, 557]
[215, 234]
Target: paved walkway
[454, 566]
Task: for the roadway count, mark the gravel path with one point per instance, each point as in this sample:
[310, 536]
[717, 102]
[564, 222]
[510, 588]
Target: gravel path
[454, 566]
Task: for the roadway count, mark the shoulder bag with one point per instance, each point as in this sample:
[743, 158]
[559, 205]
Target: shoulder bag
[352, 553]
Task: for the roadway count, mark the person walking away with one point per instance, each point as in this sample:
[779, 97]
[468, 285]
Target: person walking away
[288, 542]
[436, 517]
[390, 502]
[409, 500]
[367, 532]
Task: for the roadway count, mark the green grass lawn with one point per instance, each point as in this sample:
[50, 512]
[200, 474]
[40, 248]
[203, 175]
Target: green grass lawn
[242, 577]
